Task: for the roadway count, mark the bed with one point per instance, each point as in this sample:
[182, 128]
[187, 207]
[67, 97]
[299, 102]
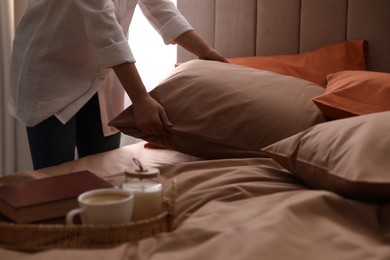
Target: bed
[281, 154]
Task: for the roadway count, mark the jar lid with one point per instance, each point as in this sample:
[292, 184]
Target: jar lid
[140, 172]
[144, 174]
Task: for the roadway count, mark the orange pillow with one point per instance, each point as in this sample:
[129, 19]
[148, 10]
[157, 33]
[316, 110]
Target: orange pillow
[352, 93]
[314, 65]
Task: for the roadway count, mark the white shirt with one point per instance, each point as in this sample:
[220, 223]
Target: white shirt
[63, 50]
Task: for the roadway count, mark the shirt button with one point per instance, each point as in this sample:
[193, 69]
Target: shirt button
[101, 76]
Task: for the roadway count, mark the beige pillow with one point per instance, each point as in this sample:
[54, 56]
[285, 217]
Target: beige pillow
[348, 156]
[221, 110]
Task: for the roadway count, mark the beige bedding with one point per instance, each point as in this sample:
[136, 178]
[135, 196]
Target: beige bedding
[245, 209]
[253, 208]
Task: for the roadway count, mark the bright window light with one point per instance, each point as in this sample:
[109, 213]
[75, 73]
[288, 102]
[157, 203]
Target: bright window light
[154, 59]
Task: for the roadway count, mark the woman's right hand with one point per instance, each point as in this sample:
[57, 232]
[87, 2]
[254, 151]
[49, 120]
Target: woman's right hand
[150, 117]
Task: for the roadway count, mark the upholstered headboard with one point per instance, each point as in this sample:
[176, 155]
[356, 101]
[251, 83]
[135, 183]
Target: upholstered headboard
[272, 27]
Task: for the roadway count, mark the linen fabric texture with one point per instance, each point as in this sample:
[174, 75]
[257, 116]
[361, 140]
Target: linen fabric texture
[55, 73]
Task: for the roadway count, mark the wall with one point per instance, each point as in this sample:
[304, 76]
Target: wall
[14, 153]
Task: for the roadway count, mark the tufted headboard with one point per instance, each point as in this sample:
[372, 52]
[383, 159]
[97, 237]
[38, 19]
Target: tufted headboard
[272, 27]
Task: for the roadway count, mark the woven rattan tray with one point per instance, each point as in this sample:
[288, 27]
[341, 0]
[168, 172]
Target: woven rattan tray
[38, 237]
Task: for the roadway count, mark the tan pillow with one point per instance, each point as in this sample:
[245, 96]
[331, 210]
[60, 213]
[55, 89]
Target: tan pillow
[348, 156]
[221, 110]
[353, 93]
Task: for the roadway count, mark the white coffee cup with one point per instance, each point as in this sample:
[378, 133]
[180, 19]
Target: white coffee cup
[103, 206]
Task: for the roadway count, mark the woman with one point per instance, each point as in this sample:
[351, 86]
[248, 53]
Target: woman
[72, 63]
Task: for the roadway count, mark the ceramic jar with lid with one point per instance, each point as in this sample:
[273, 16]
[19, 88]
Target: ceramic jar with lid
[146, 185]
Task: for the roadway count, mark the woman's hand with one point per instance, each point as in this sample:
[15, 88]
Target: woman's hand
[214, 55]
[195, 44]
[150, 117]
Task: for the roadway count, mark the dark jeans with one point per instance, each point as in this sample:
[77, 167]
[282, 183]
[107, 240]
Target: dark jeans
[52, 143]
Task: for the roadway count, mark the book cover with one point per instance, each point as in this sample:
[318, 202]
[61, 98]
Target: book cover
[46, 198]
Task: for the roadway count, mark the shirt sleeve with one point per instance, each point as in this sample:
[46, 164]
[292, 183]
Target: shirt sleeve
[104, 31]
[165, 18]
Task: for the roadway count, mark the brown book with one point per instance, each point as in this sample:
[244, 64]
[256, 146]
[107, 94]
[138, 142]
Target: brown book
[47, 198]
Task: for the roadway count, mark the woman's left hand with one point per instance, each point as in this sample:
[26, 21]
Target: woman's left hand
[214, 55]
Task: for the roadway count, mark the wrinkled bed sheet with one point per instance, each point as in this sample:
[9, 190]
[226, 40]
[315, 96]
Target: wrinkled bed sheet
[238, 209]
